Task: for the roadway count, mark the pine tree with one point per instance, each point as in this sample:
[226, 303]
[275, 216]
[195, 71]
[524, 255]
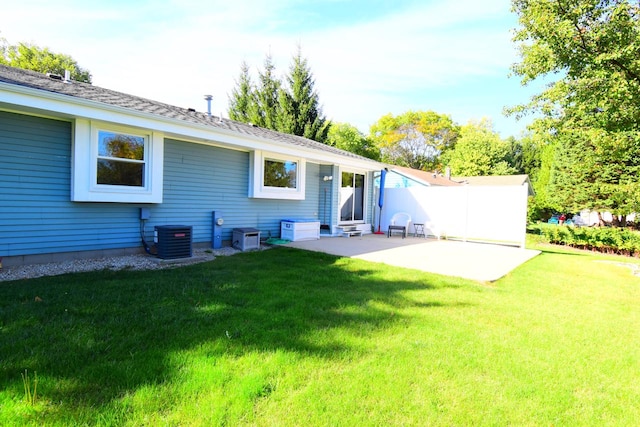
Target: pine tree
[266, 111]
[300, 111]
[241, 101]
[294, 110]
[598, 170]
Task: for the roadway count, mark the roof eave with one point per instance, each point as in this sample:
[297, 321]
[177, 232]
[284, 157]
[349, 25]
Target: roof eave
[70, 107]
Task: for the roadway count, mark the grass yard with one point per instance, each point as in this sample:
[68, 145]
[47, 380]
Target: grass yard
[287, 337]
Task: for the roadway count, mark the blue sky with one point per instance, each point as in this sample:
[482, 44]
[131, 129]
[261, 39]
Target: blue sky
[369, 58]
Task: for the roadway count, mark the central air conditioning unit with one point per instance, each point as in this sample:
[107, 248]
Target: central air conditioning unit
[173, 241]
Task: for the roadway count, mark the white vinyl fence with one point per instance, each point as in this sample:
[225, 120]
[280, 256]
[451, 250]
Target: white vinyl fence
[470, 213]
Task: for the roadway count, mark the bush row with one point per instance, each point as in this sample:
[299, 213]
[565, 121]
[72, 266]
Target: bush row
[608, 240]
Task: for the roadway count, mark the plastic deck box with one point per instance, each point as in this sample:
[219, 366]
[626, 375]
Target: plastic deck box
[299, 229]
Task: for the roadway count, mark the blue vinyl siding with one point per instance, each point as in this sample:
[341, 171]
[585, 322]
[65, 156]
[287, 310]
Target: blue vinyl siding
[38, 217]
[36, 214]
[199, 179]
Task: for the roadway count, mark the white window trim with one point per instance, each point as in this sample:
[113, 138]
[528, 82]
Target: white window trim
[258, 190]
[84, 186]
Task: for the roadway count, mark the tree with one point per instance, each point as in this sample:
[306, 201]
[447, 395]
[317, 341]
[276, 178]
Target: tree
[293, 109]
[540, 206]
[349, 138]
[300, 111]
[590, 113]
[414, 139]
[524, 155]
[596, 169]
[595, 47]
[266, 107]
[32, 57]
[479, 151]
[277, 174]
[241, 101]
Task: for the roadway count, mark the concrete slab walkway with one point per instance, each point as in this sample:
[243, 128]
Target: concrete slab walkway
[476, 261]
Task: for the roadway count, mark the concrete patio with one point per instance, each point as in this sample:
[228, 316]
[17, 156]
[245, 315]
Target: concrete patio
[476, 261]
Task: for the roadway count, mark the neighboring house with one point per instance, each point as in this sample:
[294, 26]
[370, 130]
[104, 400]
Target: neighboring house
[498, 181]
[78, 162]
[403, 177]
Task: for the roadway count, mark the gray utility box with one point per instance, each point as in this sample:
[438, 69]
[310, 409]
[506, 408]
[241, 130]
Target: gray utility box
[246, 238]
[173, 241]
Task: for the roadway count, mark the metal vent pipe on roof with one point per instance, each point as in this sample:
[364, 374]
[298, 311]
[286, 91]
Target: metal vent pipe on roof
[208, 98]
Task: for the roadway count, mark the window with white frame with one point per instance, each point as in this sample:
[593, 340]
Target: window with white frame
[276, 176]
[116, 164]
[121, 159]
[280, 173]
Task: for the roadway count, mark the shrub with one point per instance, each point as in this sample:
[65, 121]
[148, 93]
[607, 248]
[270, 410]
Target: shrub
[601, 239]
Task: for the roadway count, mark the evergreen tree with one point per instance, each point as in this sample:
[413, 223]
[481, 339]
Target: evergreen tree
[266, 108]
[524, 155]
[241, 101]
[540, 205]
[294, 110]
[598, 170]
[300, 111]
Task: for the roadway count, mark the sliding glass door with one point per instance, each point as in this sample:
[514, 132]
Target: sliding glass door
[352, 191]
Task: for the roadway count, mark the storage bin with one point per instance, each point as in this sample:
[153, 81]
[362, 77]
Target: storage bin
[299, 229]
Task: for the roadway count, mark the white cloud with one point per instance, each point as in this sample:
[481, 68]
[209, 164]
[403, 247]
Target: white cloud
[176, 51]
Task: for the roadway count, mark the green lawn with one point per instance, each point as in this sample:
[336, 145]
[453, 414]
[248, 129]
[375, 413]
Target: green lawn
[287, 337]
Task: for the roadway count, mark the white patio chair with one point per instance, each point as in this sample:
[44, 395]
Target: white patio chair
[399, 223]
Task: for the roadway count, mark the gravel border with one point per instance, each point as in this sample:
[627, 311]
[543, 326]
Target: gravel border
[129, 262]
[635, 268]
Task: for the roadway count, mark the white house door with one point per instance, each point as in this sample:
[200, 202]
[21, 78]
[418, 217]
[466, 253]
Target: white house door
[352, 193]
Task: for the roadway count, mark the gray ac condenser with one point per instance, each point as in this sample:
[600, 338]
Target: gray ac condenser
[174, 241]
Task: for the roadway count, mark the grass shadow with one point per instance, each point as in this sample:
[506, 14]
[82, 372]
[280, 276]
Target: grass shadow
[100, 335]
[552, 249]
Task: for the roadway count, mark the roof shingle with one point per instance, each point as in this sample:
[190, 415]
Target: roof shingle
[431, 178]
[39, 81]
